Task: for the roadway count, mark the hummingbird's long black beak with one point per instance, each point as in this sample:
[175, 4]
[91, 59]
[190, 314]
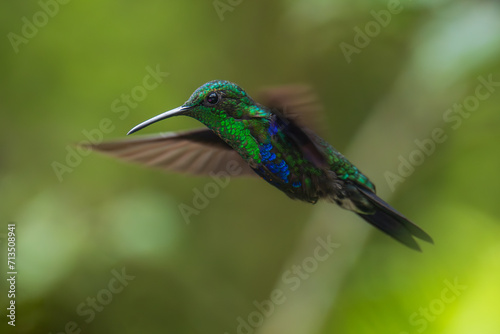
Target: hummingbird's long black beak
[166, 114]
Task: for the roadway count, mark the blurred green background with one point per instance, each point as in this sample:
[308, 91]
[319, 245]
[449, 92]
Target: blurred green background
[67, 66]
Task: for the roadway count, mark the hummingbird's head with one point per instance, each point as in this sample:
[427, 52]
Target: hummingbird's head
[211, 103]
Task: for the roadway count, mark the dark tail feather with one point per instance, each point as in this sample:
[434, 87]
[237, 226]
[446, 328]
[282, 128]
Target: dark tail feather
[393, 223]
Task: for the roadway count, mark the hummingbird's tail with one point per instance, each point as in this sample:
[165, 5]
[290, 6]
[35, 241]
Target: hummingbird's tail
[393, 223]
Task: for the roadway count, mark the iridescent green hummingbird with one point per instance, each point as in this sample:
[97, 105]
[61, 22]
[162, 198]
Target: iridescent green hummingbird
[272, 140]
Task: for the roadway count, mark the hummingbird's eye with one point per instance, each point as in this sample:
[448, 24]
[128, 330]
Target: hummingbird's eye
[212, 98]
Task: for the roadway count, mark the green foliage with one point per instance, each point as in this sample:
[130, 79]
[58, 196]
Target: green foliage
[81, 218]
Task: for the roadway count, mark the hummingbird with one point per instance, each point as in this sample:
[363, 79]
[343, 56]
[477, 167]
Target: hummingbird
[274, 140]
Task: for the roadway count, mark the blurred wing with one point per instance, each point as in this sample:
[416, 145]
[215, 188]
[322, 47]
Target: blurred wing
[303, 115]
[197, 152]
[298, 103]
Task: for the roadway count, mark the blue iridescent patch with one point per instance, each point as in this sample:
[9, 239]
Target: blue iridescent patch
[273, 128]
[265, 156]
[266, 147]
[273, 168]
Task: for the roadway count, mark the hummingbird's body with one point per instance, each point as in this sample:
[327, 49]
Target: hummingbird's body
[273, 142]
[294, 160]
